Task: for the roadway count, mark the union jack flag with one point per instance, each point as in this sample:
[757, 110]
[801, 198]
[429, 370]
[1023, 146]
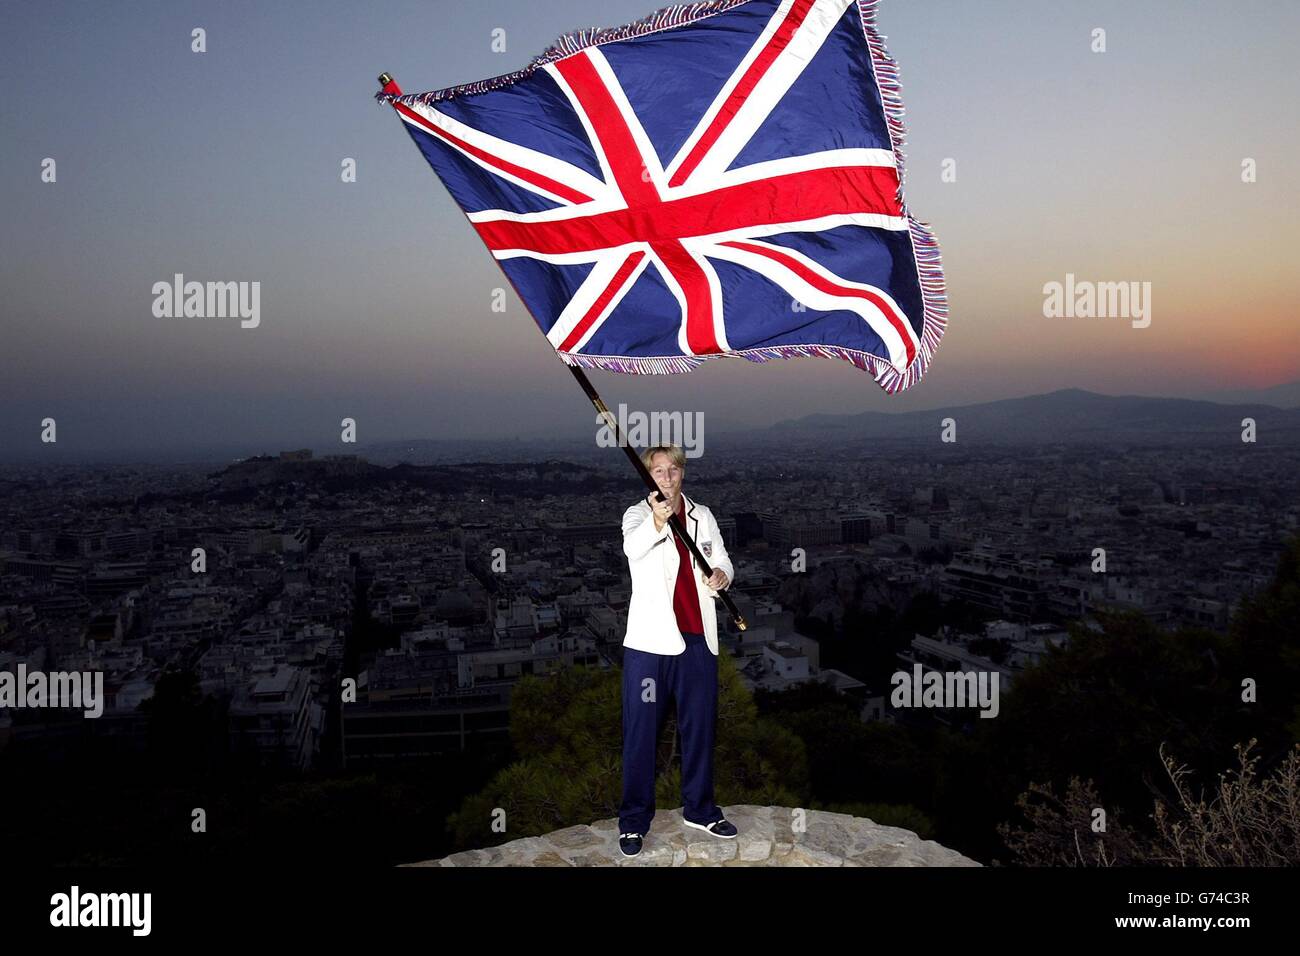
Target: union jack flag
[721, 178]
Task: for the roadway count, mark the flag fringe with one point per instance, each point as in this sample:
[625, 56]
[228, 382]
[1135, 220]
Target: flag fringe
[891, 378]
[925, 247]
[573, 42]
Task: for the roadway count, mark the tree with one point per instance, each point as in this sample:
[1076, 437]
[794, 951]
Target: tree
[187, 730]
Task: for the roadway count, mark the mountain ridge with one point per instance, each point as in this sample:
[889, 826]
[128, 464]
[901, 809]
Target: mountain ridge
[1067, 414]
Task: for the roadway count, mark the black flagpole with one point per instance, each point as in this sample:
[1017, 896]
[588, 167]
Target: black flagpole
[679, 528]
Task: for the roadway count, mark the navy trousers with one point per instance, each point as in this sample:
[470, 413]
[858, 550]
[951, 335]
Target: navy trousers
[690, 678]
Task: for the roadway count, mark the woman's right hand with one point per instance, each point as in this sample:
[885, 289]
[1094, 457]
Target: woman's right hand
[662, 512]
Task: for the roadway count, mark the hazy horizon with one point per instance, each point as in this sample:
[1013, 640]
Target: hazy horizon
[565, 433]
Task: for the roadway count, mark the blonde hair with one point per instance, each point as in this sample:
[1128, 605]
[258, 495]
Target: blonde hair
[672, 451]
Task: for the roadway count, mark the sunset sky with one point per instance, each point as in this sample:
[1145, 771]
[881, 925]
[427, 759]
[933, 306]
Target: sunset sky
[376, 295]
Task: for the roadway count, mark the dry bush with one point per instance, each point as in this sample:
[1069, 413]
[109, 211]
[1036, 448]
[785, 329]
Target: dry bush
[1060, 830]
[1248, 822]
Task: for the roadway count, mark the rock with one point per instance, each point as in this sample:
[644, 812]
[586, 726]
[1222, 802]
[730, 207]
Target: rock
[767, 838]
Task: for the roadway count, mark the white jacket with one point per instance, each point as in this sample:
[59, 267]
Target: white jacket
[653, 559]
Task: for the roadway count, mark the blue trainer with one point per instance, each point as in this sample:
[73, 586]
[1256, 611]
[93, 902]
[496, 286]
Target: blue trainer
[629, 844]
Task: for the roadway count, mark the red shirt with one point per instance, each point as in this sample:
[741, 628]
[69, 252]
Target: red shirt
[686, 599]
